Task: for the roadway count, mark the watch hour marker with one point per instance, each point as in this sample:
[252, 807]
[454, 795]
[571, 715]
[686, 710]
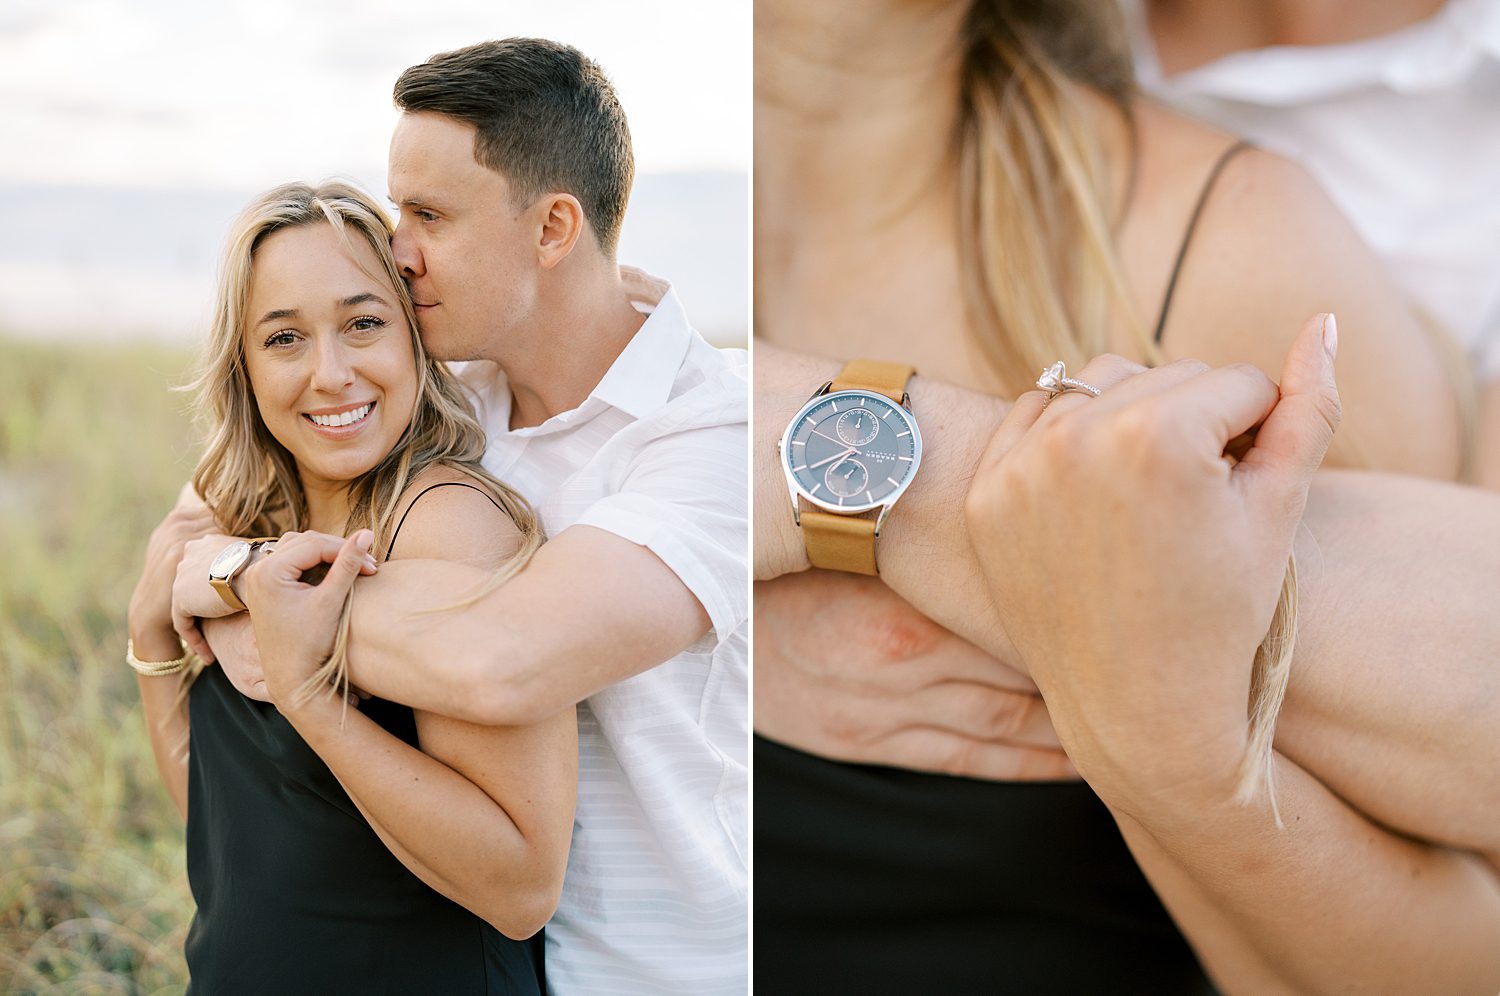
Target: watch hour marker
[815, 488]
[869, 500]
[835, 405]
[902, 435]
[894, 481]
[795, 469]
[799, 442]
[907, 459]
[886, 414]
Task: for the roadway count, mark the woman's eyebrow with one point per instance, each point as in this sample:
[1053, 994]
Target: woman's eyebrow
[350, 302]
[277, 315]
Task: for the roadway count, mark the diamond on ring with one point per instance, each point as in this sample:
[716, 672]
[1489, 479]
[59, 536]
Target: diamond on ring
[1055, 380]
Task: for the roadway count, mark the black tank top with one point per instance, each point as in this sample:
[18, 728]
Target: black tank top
[872, 880]
[296, 894]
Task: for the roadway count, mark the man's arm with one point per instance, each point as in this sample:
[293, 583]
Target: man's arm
[590, 610]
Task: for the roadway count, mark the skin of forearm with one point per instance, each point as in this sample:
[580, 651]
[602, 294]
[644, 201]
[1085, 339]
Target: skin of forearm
[442, 826]
[166, 723]
[1331, 903]
[1395, 690]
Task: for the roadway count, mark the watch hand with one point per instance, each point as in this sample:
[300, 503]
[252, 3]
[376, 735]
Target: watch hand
[830, 438]
[836, 456]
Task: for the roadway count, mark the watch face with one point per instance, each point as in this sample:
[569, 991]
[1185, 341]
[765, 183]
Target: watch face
[229, 559]
[851, 451]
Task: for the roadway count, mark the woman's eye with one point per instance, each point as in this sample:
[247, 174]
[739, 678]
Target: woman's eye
[426, 215]
[366, 323]
[281, 339]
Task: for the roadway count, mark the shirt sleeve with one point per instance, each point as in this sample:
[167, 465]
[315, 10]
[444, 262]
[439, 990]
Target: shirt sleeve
[684, 497]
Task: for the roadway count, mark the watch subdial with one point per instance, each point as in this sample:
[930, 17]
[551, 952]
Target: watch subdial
[847, 478]
[857, 426]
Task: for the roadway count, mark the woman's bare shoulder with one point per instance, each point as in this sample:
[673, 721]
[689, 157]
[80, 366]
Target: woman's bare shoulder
[1269, 249]
[452, 523]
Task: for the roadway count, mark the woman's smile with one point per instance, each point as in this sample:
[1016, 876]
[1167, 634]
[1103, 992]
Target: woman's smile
[340, 422]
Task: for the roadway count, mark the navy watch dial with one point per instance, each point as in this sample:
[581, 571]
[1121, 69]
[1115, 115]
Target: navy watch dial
[851, 451]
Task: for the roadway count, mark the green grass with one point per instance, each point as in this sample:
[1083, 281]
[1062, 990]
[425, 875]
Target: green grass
[93, 889]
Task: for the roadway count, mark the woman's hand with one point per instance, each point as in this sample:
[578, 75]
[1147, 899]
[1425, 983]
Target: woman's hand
[295, 621]
[150, 616]
[1136, 567]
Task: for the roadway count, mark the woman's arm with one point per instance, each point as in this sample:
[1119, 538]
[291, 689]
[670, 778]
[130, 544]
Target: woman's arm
[481, 814]
[153, 638]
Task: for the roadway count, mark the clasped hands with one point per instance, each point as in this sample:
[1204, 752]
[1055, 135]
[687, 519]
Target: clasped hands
[1133, 565]
[294, 621]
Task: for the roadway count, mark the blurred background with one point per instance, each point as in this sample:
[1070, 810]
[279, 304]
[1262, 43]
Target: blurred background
[131, 133]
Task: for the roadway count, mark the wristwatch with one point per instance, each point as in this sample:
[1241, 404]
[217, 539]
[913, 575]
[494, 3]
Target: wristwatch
[227, 566]
[849, 454]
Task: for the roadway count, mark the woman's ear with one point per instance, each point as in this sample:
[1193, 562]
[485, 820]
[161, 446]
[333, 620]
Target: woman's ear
[562, 226]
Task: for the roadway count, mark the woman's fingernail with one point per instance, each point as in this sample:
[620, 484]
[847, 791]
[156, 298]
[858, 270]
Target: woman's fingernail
[1331, 335]
[370, 563]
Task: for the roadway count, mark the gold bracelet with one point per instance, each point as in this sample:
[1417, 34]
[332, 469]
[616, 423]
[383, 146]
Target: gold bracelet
[155, 669]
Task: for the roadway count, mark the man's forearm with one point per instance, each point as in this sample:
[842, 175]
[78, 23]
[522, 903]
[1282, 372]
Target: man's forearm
[409, 644]
[1331, 903]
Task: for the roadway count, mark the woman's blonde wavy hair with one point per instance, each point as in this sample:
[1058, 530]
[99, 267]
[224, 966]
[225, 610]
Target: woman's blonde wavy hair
[1042, 277]
[250, 481]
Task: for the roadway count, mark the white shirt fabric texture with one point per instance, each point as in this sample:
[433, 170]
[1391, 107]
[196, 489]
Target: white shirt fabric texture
[1403, 131]
[655, 899]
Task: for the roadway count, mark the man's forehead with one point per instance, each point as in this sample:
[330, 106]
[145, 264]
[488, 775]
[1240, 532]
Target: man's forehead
[433, 159]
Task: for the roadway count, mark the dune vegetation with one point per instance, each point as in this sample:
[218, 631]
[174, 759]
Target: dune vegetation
[93, 448]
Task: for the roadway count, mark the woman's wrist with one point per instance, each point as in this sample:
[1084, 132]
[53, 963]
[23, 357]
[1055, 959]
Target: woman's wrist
[155, 643]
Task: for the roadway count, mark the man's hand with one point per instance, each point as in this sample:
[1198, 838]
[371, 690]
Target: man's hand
[150, 616]
[847, 669]
[1136, 566]
[296, 622]
[233, 640]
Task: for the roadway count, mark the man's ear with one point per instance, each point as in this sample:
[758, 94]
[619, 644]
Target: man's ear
[562, 226]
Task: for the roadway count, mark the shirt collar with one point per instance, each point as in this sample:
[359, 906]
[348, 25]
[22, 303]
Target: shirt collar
[1430, 55]
[641, 378]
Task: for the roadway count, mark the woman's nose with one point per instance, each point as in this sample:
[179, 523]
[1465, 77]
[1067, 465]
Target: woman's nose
[332, 369]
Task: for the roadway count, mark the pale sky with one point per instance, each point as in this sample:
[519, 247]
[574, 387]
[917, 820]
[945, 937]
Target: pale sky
[247, 93]
[131, 131]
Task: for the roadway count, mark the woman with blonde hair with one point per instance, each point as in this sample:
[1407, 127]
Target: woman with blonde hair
[1012, 204]
[334, 847]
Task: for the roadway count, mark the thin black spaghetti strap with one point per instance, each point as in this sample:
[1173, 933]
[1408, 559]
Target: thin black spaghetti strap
[433, 487]
[1187, 236]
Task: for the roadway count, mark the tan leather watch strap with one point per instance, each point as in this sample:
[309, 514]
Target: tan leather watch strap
[847, 542]
[221, 585]
[839, 542]
[888, 379]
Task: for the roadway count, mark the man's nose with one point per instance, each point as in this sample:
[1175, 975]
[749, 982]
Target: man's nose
[408, 257]
[332, 370]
